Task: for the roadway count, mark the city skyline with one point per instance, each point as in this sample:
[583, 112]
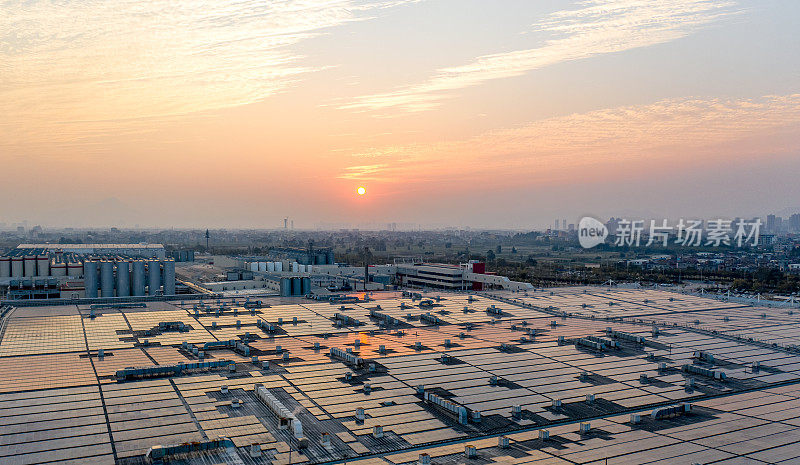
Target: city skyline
[238, 113]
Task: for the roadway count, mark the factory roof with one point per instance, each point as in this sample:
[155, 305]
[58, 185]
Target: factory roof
[525, 363]
[142, 245]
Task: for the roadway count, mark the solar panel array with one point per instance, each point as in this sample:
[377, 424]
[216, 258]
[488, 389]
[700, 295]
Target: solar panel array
[518, 364]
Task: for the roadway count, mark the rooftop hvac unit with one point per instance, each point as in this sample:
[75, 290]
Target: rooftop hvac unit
[470, 451]
[604, 341]
[670, 412]
[590, 344]
[625, 336]
[286, 419]
[347, 320]
[714, 374]
[458, 410]
[705, 356]
[335, 352]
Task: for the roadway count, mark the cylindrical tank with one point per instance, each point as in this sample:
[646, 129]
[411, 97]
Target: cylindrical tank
[320, 259]
[253, 266]
[74, 269]
[309, 269]
[29, 264]
[123, 278]
[169, 277]
[329, 258]
[42, 265]
[5, 267]
[295, 267]
[90, 278]
[305, 285]
[296, 286]
[58, 268]
[154, 277]
[286, 287]
[16, 267]
[137, 278]
[190, 256]
[107, 278]
[271, 267]
[262, 266]
[279, 267]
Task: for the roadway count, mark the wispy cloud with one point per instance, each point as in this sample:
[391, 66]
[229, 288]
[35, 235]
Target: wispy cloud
[69, 68]
[675, 130]
[596, 27]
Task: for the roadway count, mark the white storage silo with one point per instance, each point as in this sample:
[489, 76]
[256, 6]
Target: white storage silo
[29, 266]
[271, 267]
[295, 267]
[279, 267]
[308, 268]
[107, 278]
[123, 278]
[74, 269]
[169, 277]
[42, 265]
[262, 266]
[17, 267]
[5, 267]
[137, 278]
[154, 277]
[253, 266]
[58, 268]
[90, 278]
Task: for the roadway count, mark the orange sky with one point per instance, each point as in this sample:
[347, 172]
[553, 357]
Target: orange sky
[450, 112]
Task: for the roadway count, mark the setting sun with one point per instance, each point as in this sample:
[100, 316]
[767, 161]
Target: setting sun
[361, 191]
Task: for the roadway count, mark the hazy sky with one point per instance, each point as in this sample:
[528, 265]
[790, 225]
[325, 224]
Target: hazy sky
[504, 113]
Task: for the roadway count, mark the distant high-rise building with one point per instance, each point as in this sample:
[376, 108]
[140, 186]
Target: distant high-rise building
[556, 227]
[772, 223]
[611, 225]
[794, 223]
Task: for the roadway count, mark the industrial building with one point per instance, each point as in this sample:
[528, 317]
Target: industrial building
[133, 250]
[561, 376]
[308, 256]
[40, 271]
[417, 274]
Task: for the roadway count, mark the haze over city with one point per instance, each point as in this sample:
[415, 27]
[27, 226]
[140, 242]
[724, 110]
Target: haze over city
[449, 112]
